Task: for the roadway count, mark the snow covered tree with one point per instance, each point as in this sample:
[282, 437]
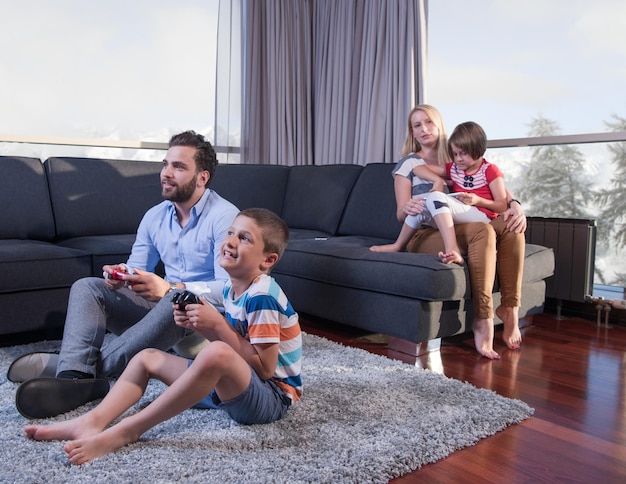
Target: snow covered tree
[554, 182]
[613, 196]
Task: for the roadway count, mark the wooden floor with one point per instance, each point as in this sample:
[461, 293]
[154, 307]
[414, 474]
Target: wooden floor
[572, 372]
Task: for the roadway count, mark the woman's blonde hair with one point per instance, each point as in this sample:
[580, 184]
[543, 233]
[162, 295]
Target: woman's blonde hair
[411, 145]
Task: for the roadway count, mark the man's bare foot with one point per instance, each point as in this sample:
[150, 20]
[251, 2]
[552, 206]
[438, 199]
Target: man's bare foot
[510, 334]
[69, 429]
[451, 257]
[483, 338]
[387, 248]
[85, 450]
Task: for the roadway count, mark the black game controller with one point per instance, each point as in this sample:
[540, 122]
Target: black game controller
[184, 298]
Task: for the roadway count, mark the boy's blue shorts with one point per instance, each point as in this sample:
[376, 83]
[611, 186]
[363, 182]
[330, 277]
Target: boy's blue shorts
[262, 402]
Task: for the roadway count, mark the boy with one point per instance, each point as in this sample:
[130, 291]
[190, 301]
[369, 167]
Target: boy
[250, 369]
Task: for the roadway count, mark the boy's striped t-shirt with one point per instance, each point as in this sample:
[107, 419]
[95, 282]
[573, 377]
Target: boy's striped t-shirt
[262, 314]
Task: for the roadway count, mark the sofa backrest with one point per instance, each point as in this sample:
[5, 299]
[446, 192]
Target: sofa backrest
[371, 208]
[265, 185]
[27, 213]
[81, 190]
[316, 195]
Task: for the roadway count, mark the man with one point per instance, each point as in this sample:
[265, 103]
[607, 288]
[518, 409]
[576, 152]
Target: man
[184, 232]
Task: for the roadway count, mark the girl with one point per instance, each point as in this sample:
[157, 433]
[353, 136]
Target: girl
[478, 193]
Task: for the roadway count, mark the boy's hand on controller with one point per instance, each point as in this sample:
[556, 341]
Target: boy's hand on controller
[204, 316]
[181, 319]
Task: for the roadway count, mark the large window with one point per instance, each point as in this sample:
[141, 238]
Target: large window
[539, 68]
[503, 63]
[117, 70]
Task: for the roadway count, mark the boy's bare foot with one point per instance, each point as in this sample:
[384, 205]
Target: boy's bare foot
[85, 450]
[386, 248]
[510, 334]
[483, 338]
[69, 429]
[451, 257]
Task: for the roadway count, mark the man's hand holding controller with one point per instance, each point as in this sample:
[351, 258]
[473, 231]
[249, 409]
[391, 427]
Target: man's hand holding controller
[143, 283]
[116, 276]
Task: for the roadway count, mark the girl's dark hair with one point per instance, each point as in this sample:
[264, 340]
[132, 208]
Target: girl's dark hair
[205, 157]
[469, 137]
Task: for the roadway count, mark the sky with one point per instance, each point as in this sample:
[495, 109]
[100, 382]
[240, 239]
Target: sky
[130, 68]
[502, 63]
[86, 68]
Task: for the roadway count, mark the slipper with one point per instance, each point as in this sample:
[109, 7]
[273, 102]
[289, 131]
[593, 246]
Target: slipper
[33, 365]
[49, 397]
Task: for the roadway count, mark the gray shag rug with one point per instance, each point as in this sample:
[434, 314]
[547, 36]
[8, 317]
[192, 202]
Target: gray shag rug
[363, 418]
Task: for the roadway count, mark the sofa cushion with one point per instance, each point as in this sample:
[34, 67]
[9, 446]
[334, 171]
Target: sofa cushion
[104, 249]
[27, 213]
[29, 265]
[265, 185]
[101, 197]
[347, 261]
[316, 196]
[40, 310]
[538, 263]
[295, 234]
[371, 207]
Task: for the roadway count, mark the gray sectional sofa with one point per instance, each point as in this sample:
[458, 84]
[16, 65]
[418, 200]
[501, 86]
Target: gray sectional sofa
[66, 217]
[63, 220]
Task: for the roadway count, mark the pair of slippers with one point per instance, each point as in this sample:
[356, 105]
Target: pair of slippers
[41, 395]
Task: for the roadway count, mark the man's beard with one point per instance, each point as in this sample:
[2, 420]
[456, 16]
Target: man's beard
[181, 193]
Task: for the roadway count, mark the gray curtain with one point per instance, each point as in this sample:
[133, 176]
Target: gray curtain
[329, 81]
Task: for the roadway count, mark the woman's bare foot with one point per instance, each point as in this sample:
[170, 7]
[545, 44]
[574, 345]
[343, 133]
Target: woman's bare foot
[75, 428]
[510, 334]
[85, 450]
[483, 338]
[387, 248]
[451, 257]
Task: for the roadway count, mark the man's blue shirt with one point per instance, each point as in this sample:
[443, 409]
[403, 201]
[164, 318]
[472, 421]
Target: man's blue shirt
[191, 254]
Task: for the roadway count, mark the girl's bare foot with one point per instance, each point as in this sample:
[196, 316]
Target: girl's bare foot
[86, 450]
[510, 334]
[483, 338]
[387, 248]
[451, 257]
[75, 428]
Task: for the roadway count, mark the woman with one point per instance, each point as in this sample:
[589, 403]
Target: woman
[502, 240]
